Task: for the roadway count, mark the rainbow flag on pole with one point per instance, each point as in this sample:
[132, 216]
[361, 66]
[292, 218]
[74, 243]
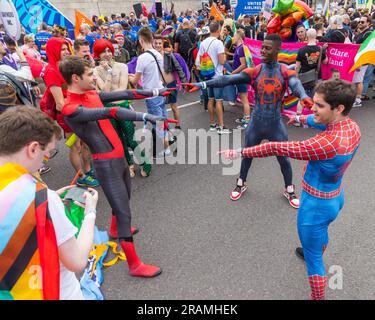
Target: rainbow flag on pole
[366, 53]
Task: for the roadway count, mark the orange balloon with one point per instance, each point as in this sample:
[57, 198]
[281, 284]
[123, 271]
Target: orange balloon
[288, 22]
[298, 15]
[285, 33]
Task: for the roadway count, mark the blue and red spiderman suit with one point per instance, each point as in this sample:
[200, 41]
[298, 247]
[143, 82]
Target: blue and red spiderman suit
[270, 82]
[329, 154]
[87, 117]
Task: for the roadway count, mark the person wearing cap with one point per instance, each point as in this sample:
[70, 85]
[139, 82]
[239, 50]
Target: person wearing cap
[121, 54]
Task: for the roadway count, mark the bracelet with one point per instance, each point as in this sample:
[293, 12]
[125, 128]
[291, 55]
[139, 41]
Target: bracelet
[144, 117]
[297, 119]
[204, 85]
[91, 212]
[155, 92]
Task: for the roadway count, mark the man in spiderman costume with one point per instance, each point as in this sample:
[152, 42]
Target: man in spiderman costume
[329, 154]
[86, 116]
[270, 81]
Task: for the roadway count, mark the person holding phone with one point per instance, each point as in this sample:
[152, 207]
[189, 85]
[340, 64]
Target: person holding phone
[40, 254]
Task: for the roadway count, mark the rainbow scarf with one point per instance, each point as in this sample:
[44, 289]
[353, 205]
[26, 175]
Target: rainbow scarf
[29, 261]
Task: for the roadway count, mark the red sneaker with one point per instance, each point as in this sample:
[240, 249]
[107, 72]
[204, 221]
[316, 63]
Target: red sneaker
[291, 196]
[237, 192]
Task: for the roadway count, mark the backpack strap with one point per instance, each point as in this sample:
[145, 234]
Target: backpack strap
[156, 60]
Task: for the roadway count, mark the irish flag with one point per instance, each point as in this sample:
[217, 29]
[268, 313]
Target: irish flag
[366, 53]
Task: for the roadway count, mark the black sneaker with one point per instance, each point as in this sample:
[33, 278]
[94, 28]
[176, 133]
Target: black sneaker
[300, 254]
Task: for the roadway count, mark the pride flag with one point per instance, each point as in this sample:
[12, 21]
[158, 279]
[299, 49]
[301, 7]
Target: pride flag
[366, 53]
[29, 260]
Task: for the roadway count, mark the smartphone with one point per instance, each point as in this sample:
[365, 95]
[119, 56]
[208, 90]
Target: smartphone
[76, 194]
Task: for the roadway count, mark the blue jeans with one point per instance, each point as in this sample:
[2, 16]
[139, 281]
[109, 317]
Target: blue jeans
[367, 78]
[215, 93]
[156, 106]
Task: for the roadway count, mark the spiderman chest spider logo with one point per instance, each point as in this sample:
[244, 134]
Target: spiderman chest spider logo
[270, 89]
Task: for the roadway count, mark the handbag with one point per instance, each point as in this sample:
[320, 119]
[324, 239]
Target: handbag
[311, 75]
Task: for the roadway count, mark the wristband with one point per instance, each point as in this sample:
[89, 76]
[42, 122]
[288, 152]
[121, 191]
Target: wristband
[204, 85]
[91, 212]
[144, 117]
[297, 119]
[155, 92]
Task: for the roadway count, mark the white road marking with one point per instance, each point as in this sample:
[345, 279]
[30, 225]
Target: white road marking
[185, 105]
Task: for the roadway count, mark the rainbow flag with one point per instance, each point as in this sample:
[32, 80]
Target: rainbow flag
[326, 9]
[248, 57]
[29, 261]
[288, 56]
[366, 53]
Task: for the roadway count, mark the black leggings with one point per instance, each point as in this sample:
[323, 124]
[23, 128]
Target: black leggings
[272, 130]
[114, 177]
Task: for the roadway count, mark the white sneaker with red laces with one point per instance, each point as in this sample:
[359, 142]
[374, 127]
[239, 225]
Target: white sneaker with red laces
[291, 196]
[240, 188]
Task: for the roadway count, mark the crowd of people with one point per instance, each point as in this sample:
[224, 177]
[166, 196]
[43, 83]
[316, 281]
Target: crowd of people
[85, 86]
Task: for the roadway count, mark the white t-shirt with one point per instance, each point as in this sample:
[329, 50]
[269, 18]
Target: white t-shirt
[70, 288]
[214, 47]
[146, 64]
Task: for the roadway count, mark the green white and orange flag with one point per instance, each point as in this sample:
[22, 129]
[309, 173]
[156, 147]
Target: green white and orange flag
[366, 53]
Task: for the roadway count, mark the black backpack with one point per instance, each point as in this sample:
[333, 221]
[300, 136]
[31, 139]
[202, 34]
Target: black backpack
[185, 43]
[130, 46]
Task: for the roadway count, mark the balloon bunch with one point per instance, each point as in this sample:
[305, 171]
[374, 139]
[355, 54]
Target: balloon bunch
[288, 14]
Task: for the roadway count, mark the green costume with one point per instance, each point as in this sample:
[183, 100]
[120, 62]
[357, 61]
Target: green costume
[125, 131]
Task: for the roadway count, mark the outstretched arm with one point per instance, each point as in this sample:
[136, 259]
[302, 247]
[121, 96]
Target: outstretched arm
[82, 114]
[220, 82]
[107, 97]
[321, 147]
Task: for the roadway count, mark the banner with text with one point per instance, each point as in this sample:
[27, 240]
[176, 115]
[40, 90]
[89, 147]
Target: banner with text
[250, 7]
[340, 59]
[340, 56]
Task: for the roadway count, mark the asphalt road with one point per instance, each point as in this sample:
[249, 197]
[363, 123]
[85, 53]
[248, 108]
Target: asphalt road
[210, 247]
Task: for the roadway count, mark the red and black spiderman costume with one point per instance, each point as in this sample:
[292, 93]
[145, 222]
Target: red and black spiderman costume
[86, 116]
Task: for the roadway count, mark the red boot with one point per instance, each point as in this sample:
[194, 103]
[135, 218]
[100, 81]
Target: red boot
[318, 287]
[113, 229]
[136, 267]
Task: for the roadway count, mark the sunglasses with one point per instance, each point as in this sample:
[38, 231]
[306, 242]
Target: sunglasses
[362, 21]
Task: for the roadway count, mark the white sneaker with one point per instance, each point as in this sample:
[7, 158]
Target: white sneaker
[357, 103]
[223, 130]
